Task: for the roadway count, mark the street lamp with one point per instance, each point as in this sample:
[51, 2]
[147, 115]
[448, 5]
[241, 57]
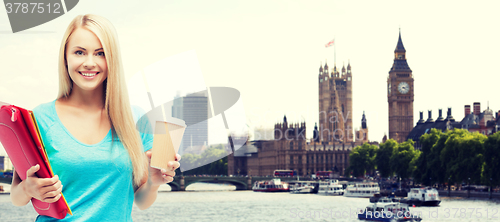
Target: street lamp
[399, 183]
[449, 185]
[468, 189]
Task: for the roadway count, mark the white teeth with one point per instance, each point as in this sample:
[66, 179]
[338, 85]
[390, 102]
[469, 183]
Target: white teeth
[88, 74]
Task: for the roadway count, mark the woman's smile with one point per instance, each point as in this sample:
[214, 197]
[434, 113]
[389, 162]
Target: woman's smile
[89, 74]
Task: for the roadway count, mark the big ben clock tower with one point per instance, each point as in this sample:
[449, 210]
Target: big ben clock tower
[400, 95]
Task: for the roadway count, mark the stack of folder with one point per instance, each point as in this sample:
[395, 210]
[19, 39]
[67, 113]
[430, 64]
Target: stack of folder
[21, 139]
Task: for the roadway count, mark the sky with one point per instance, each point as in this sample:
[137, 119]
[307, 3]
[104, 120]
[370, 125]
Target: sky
[271, 51]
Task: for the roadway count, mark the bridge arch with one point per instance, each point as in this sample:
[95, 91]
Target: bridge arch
[175, 186]
[238, 184]
[241, 183]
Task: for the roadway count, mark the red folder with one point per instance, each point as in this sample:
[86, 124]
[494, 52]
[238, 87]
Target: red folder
[21, 139]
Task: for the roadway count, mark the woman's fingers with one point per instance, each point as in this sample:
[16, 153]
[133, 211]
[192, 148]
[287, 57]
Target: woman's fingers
[167, 175]
[168, 178]
[52, 194]
[43, 182]
[174, 164]
[165, 172]
[149, 153]
[52, 199]
[32, 170]
[46, 189]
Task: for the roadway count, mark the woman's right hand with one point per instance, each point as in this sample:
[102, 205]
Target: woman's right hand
[44, 189]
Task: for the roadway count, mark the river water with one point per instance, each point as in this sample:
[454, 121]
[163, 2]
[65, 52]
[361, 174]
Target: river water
[210, 202]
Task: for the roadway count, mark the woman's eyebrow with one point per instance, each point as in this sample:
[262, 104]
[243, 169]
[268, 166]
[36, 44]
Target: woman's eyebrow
[86, 49]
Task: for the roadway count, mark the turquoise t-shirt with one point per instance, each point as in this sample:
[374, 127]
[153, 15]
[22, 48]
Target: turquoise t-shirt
[97, 179]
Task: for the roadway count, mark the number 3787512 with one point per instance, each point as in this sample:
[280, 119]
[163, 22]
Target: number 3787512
[33, 8]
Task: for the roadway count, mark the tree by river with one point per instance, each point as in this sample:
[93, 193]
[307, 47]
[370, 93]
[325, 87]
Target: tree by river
[362, 159]
[217, 167]
[459, 156]
[388, 159]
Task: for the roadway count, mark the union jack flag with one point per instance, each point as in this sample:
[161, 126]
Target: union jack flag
[329, 44]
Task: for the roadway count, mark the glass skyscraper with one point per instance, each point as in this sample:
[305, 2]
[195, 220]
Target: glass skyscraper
[193, 109]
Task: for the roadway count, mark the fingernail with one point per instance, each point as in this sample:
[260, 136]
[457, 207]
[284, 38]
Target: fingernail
[163, 170]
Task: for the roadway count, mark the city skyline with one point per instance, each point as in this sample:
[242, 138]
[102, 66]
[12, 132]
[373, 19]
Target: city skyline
[271, 52]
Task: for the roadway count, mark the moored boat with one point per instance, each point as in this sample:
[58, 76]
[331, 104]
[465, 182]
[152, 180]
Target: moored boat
[274, 185]
[422, 197]
[330, 187]
[302, 187]
[362, 189]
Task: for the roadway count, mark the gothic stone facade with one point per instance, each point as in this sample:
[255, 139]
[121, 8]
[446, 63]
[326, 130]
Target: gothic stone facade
[290, 151]
[335, 105]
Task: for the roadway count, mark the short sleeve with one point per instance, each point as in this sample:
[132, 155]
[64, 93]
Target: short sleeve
[143, 125]
[45, 117]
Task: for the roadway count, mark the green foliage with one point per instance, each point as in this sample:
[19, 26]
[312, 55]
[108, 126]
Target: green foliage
[458, 156]
[383, 156]
[402, 157]
[427, 166]
[218, 167]
[453, 156]
[463, 156]
[490, 174]
[362, 159]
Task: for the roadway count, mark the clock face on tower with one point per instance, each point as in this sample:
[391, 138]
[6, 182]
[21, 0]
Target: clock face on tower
[403, 87]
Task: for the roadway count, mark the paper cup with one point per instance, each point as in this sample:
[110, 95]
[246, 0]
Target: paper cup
[166, 145]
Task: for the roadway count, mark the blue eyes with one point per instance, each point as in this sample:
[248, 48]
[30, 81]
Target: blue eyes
[80, 52]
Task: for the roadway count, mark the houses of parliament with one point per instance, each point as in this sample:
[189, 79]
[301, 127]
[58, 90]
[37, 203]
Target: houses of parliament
[332, 142]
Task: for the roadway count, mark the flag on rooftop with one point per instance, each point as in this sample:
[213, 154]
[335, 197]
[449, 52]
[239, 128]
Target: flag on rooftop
[329, 44]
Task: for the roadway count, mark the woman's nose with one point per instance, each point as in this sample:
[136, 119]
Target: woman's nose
[89, 62]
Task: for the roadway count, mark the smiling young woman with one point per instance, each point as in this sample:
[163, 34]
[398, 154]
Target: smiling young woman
[98, 156]
[86, 60]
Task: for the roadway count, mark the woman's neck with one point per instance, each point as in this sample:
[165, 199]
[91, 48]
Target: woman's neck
[87, 99]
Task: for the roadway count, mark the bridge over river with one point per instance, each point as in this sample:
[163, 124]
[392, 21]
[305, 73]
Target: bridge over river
[181, 182]
[240, 182]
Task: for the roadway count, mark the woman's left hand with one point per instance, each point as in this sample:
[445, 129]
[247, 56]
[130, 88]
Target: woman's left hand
[158, 177]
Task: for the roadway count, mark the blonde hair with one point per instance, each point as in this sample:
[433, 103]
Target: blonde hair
[116, 104]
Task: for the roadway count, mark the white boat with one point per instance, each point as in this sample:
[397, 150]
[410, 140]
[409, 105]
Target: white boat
[362, 189]
[387, 210]
[330, 187]
[274, 185]
[423, 197]
[302, 187]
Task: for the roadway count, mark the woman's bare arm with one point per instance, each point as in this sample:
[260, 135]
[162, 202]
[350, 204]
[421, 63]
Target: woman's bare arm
[44, 189]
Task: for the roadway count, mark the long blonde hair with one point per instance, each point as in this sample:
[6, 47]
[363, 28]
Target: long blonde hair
[116, 104]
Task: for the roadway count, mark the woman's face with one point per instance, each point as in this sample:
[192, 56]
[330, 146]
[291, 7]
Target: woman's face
[86, 60]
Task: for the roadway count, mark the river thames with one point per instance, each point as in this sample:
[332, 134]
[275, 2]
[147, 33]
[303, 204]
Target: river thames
[222, 204]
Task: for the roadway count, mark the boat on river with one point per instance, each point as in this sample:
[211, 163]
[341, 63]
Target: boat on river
[330, 187]
[303, 187]
[274, 185]
[422, 197]
[362, 189]
[387, 210]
